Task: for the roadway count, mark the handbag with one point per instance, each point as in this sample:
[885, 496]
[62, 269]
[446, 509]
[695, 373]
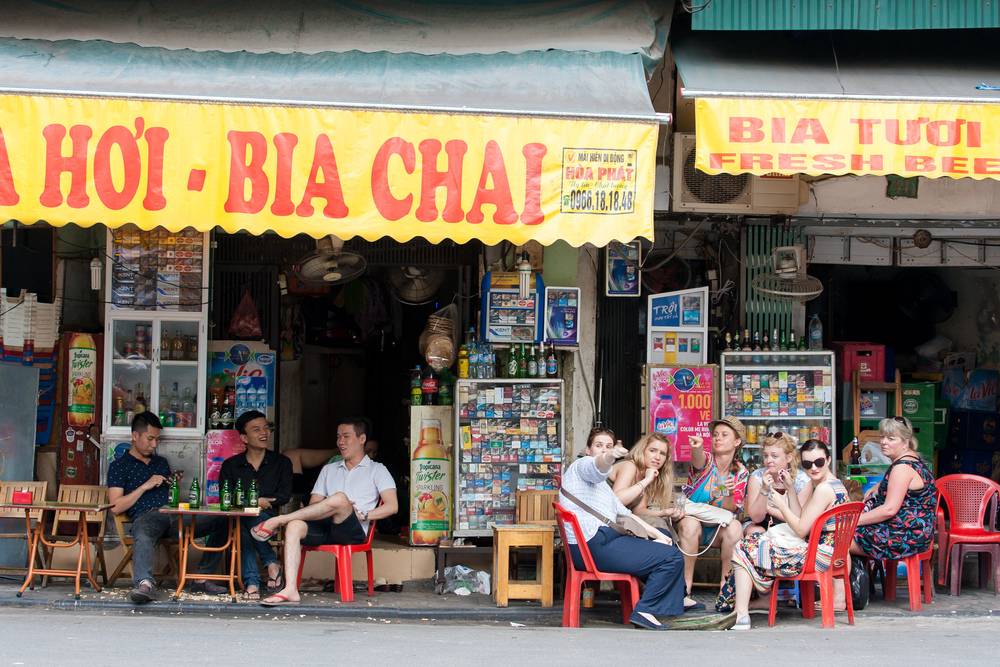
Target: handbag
[781, 535]
[623, 525]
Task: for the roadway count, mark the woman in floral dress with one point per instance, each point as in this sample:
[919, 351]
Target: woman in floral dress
[898, 520]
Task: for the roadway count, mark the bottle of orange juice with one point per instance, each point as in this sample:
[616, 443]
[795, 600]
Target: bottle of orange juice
[81, 373]
[430, 503]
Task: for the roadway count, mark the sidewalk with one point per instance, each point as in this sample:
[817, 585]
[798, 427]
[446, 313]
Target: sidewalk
[418, 602]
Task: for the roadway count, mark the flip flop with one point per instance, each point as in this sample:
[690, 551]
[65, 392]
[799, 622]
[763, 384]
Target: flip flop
[260, 533]
[278, 600]
[251, 596]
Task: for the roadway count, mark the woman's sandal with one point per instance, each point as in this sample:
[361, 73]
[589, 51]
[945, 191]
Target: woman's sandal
[251, 596]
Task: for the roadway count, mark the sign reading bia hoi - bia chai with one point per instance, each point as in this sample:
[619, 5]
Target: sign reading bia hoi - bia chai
[325, 171]
[767, 136]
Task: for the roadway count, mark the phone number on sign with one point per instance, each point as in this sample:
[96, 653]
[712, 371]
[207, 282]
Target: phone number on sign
[588, 201]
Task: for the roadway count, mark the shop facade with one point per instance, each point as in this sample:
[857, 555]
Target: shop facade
[188, 173]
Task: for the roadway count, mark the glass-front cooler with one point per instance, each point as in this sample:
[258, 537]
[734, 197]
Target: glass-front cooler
[156, 326]
[792, 392]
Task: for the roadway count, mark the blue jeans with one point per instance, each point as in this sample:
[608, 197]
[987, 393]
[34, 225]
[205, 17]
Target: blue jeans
[659, 566]
[250, 550]
[151, 527]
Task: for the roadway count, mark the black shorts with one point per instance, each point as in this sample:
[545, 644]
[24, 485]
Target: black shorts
[325, 531]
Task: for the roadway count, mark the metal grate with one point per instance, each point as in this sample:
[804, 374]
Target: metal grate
[228, 283]
[621, 353]
[761, 312]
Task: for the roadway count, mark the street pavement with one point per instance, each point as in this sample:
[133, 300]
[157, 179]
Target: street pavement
[44, 637]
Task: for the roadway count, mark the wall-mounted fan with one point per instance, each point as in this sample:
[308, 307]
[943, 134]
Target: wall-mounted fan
[329, 264]
[415, 285]
[788, 278]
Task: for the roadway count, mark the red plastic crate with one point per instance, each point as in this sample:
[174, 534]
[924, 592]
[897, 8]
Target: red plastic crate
[866, 358]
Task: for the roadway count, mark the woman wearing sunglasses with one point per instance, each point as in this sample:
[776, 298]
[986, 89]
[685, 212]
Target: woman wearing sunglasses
[779, 473]
[898, 520]
[762, 556]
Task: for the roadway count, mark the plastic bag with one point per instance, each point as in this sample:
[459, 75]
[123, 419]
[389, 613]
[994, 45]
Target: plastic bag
[860, 583]
[459, 578]
[245, 322]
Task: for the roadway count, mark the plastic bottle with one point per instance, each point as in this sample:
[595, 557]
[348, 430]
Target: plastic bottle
[815, 333]
[415, 393]
[429, 387]
[463, 360]
[665, 416]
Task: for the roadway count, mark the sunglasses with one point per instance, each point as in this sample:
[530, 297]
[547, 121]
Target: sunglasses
[776, 434]
[901, 420]
[819, 463]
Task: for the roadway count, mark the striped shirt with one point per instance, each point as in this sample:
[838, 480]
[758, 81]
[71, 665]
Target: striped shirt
[586, 481]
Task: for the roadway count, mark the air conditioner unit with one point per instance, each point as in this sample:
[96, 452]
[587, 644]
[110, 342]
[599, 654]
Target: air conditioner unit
[740, 194]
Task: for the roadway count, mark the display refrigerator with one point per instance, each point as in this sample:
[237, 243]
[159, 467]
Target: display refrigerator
[509, 437]
[155, 341]
[792, 392]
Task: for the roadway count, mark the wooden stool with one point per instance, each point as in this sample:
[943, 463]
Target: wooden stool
[506, 538]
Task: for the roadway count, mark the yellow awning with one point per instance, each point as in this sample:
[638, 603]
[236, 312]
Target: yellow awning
[344, 144]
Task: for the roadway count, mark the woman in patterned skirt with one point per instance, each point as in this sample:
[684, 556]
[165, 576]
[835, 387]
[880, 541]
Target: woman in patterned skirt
[760, 557]
[898, 520]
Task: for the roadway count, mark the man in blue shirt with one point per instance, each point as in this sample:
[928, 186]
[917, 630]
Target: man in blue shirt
[138, 485]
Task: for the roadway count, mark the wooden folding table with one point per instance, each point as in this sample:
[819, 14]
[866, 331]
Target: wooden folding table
[186, 541]
[36, 537]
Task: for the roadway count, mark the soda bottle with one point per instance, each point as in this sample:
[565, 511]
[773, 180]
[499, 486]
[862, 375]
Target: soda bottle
[225, 497]
[194, 494]
[253, 495]
[239, 500]
[552, 364]
[815, 333]
[532, 363]
[665, 416]
[429, 387]
[415, 393]
[463, 361]
[174, 497]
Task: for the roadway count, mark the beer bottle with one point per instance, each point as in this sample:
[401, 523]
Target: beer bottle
[174, 498]
[253, 495]
[194, 494]
[225, 497]
[512, 362]
[240, 500]
[522, 362]
[532, 363]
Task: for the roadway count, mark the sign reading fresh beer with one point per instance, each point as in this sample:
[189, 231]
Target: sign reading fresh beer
[681, 404]
[784, 136]
[324, 171]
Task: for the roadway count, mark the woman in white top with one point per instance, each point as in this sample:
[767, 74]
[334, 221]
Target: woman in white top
[779, 473]
[655, 561]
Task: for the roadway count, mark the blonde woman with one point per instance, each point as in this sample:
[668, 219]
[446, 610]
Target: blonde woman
[898, 520]
[779, 473]
[644, 479]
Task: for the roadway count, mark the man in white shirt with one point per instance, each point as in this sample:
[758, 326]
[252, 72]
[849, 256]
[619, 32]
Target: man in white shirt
[344, 501]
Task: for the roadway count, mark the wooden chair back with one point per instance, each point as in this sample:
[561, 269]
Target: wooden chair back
[7, 490]
[536, 507]
[85, 494]
[120, 521]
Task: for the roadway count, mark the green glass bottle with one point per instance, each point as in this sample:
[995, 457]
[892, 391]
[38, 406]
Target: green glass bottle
[239, 501]
[174, 497]
[253, 495]
[194, 494]
[522, 362]
[226, 497]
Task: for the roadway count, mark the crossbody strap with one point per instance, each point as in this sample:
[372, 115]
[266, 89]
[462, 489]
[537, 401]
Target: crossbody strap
[594, 513]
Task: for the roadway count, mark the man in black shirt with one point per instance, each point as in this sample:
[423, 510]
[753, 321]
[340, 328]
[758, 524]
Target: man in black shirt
[273, 473]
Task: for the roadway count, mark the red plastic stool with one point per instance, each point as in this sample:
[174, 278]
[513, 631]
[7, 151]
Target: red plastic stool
[916, 571]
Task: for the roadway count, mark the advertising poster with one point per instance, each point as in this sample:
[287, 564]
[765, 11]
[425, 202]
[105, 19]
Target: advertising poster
[232, 361]
[621, 269]
[219, 446]
[562, 315]
[677, 328]
[681, 404]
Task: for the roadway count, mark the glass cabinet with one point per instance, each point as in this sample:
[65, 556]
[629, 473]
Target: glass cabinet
[156, 330]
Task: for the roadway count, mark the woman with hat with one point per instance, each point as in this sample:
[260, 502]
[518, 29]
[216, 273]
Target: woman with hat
[715, 477]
